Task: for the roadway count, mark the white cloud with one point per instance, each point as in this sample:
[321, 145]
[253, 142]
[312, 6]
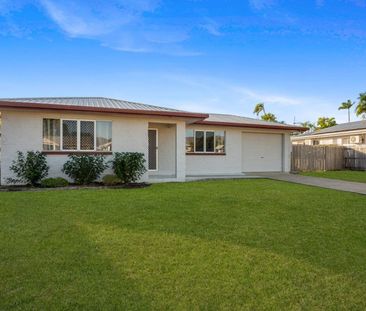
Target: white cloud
[94, 18]
[212, 27]
[125, 25]
[267, 97]
[261, 4]
[206, 94]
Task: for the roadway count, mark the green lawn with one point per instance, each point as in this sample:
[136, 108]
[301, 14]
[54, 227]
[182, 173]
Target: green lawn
[239, 244]
[358, 176]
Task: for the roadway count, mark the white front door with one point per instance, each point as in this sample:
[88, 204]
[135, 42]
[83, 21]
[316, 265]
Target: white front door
[262, 152]
[153, 149]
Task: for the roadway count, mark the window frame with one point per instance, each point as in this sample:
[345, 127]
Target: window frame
[78, 136]
[204, 143]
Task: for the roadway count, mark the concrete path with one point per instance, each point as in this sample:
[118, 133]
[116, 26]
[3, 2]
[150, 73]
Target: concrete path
[341, 185]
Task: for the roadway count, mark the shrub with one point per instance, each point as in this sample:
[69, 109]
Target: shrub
[84, 169]
[111, 180]
[30, 168]
[54, 182]
[129, 166]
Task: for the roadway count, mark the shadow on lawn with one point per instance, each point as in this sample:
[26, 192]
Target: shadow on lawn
[57, 267]
[187, 272]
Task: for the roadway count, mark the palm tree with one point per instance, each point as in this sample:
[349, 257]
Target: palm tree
[269, 117]
[265, 116]
[361, 106]
[309, 125]
[259, 108]
[324, 122]
[347, 105]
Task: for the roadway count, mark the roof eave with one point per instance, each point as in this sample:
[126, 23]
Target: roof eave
[25, 105]
[248, 125]
[335, 133]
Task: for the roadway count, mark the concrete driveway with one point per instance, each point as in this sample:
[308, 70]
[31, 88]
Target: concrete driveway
[335, 184]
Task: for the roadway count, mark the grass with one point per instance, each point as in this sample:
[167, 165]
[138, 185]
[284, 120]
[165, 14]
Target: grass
[240, 244]
[358, 176]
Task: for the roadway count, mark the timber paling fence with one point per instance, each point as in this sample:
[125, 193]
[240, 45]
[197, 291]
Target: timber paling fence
[328, 158]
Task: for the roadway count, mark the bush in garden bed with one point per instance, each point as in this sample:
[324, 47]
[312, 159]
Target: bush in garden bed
[54, 182]
[111, 180]
[30, 168]
[128, 166]
[84, 169]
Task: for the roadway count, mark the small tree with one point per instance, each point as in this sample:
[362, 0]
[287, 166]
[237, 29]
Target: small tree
[128, 166]
[30, 168]
[324, 122]
[84, 169]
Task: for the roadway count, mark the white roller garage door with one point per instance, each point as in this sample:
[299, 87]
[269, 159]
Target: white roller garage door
[261, 152]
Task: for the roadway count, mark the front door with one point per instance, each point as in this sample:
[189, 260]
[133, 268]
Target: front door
[153, 149]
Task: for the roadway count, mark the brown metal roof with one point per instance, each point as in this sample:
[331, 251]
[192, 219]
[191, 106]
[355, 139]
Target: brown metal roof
[95, 104]
[239, 121]
[110, 105]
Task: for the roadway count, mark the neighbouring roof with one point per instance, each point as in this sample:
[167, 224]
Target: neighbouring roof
[344, 127]
[102, 104]
[239, 121]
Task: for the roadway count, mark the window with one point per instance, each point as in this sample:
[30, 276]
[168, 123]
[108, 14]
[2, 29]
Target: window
[87, 135]
[189, 141]
[104, 136]
[51, 134]
[345, 141]
[205, 141]
[220, 141]
[69, 135]
[77, 135]
[210, 141]
[199, 141]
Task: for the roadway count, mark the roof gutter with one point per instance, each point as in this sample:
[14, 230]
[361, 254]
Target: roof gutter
[24, 105]
[248, 125]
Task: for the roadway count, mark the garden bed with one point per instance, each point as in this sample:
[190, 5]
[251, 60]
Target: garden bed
[74, 187]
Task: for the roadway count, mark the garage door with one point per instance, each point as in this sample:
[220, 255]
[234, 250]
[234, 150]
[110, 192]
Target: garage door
[261, 152]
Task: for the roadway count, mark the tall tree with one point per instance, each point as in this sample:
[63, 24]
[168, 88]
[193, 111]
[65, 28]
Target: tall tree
[324, 122]
[347, 105]
[266, 116]
[259, 108]
[361, 105]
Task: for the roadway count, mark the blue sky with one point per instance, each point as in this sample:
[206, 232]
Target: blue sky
[301, 58]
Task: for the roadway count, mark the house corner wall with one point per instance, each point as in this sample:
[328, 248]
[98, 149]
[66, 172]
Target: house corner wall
[287, 150]
[180, 151]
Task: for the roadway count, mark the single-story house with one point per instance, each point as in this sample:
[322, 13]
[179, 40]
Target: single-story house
[176, 143]
[346, 134]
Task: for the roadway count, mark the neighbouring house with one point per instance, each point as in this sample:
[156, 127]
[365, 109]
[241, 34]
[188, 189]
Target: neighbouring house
[346, 134]
[176, 143]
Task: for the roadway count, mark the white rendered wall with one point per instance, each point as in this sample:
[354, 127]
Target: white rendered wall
[22, 131]
[231, 162]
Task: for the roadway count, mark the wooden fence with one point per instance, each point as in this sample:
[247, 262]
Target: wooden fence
[327, 158]
[355, 158]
